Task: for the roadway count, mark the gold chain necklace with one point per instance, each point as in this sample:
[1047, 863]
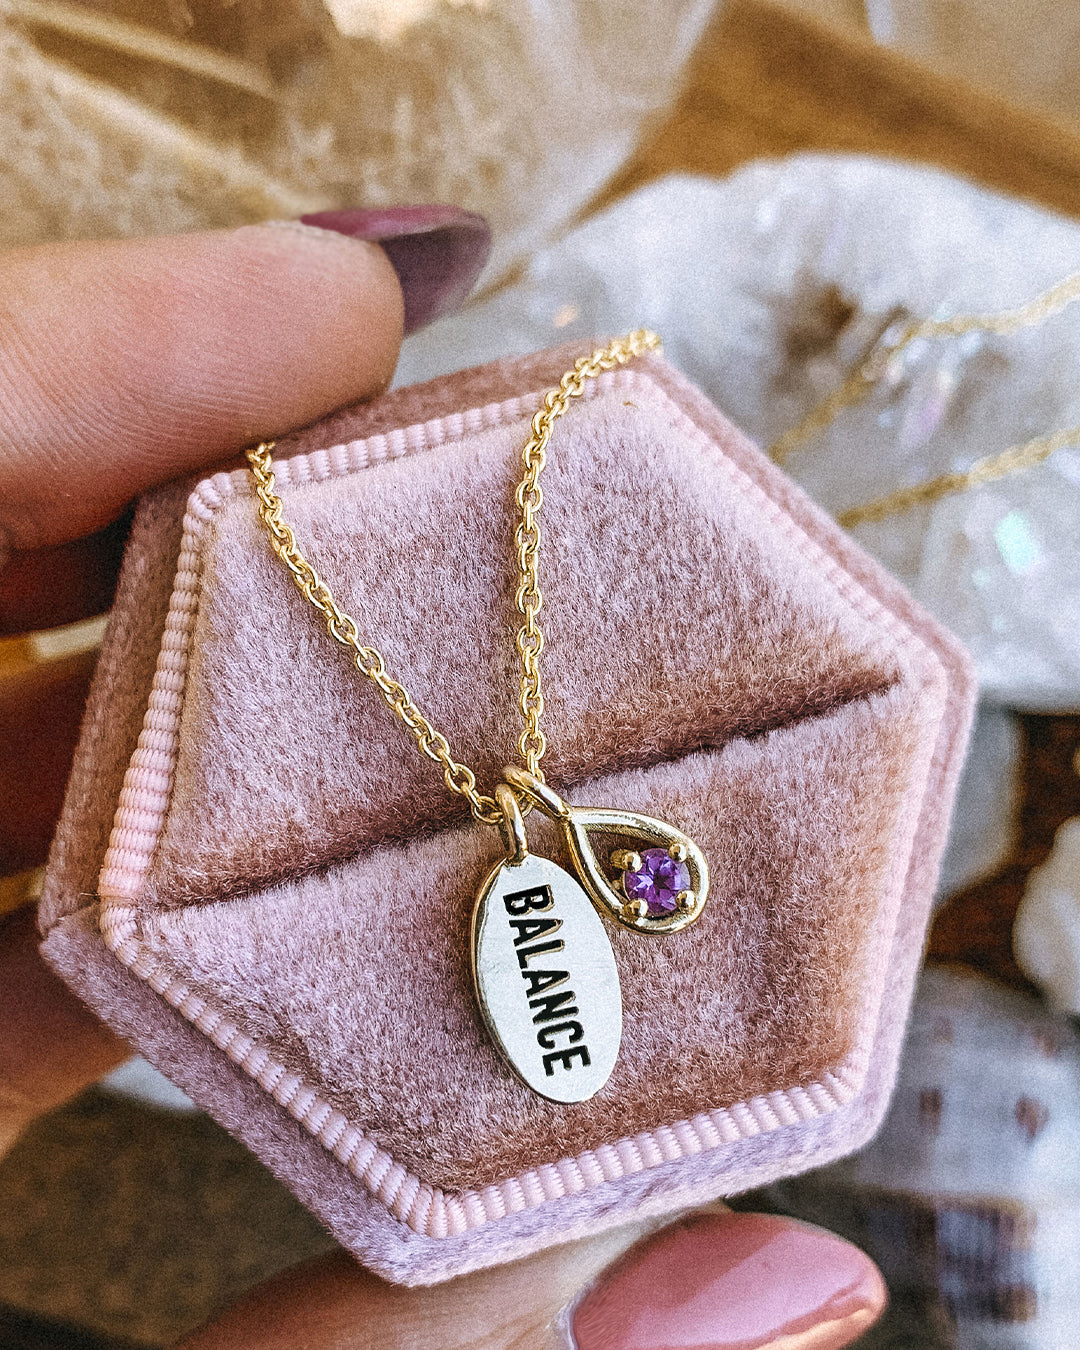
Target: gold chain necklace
[862, 380]
[543, 966]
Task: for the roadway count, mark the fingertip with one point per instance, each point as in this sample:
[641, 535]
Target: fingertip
[733, 1281]
[437, 250]
[344, 282]
[131, 362]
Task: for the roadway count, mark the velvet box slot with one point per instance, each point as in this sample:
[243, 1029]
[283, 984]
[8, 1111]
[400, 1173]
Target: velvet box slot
[260, 883]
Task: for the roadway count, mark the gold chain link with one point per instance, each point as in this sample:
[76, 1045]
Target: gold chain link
[530, 498]
[988, 469]
[530, 639]
[857, 386]
[342, 628]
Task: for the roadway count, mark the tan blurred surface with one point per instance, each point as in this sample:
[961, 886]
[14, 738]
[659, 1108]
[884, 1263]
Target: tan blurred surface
[771, 78]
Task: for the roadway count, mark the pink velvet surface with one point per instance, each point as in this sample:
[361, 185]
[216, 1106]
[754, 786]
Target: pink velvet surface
[812, 745]
[803, 838]
[287, 761]
[359, 1220]
[115, 705]
[130, 648]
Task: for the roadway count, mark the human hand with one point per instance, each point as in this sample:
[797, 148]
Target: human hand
[122, 365]
[126, 364]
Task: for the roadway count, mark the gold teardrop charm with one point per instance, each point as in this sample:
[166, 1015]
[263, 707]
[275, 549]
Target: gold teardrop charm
[656, 890]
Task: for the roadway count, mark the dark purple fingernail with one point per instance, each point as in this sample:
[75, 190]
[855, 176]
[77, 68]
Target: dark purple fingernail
[437, 251]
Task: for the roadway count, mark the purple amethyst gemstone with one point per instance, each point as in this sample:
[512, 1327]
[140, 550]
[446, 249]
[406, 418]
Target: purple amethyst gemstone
[658, 882]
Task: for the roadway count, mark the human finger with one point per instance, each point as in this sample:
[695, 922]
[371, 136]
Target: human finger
[711, 1281]
[125, 363]
[40, 713]
[63, 583]
[52, 1045]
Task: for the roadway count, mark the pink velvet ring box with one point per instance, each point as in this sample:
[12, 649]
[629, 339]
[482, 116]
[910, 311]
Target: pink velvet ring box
[260, 883]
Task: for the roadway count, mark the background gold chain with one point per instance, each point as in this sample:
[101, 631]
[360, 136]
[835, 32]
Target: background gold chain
[530, 638]
[985, 470]
[857, 386]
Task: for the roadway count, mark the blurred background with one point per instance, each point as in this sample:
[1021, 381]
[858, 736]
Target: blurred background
[779, 188]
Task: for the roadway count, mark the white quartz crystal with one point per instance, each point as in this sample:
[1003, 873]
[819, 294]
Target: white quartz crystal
[136, 1078]
[769, 287]
[969, 1197]
[984, 828]
[1046, 935]
[521, 109]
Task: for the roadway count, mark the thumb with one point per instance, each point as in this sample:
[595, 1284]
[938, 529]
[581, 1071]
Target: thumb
[714, 1280]
[128, 362]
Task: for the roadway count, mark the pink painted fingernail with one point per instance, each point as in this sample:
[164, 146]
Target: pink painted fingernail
[732, 1282]
[437, 251]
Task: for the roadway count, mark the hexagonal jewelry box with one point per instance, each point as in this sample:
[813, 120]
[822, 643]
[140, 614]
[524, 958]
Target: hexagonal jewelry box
[260, 883]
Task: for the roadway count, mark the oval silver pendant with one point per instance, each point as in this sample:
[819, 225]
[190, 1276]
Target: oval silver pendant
[546, 979]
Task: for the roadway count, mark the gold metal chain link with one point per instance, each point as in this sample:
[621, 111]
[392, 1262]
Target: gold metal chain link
[530, 498]
[858, 385]
[530, 638]
[987, 469]
[342, 628]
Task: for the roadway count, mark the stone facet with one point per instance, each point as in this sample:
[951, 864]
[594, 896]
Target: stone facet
[658, 882]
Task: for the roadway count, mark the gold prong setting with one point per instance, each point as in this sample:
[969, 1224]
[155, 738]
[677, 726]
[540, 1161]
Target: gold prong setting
[623, 860]
[635, 912]
[664, 893]
[643, 883]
